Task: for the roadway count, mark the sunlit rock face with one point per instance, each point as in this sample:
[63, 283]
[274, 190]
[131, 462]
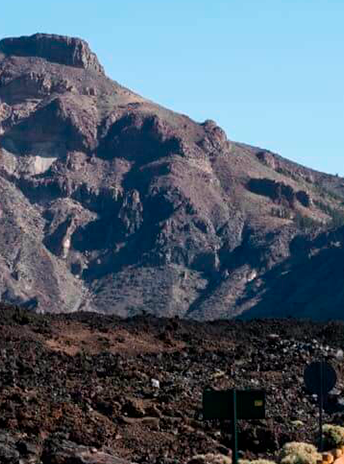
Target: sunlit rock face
[68, 51]
[112, 203]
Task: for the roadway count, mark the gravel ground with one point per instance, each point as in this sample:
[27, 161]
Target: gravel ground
[133, 388]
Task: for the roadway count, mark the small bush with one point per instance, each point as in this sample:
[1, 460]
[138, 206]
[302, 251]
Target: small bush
[306, 223]
[333, 436]
[210, 458]
[337, 218]
[336, 214]
[297, 424]
[299, 453]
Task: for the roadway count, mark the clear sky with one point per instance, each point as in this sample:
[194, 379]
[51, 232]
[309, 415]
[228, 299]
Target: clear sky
[270, 72]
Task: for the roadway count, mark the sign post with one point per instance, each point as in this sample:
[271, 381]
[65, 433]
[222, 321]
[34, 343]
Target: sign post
[233, 405]
[321, 406]
[235, 430]
[320, 378]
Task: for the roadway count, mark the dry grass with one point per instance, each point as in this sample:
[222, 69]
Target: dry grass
[333, 436]
[210, 458]
[299, 453]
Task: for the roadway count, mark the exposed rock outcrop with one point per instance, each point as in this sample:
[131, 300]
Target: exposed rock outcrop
[279, 192]
[69, 51]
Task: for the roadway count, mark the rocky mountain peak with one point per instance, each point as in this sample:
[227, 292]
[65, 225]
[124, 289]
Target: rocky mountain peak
[112, 203]
[60, 49]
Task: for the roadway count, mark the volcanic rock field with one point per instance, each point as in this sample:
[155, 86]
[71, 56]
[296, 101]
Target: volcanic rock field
[86, 383]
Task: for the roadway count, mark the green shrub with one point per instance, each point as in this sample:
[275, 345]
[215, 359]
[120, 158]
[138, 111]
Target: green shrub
[336, 214]
[333, 436]
[299, 453]
[337, 218]
[306, 223]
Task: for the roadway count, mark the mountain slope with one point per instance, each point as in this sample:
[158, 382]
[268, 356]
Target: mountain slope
[112, 203]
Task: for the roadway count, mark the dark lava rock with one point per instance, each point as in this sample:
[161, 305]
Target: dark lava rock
[16, 450]
[82, 390]
[67, 452]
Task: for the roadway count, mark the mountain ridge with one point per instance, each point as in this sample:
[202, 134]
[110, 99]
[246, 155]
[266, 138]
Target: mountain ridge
[112, 203]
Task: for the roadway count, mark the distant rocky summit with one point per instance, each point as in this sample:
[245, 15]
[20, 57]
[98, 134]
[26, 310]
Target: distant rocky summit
[112, 203]
[54, 48]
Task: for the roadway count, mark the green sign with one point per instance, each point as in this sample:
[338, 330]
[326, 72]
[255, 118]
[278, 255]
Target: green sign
[250, 404]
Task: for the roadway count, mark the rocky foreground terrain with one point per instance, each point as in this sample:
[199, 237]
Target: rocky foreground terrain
[87, 388]
[112, 203]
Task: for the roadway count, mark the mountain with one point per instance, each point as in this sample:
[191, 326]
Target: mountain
[112, 203]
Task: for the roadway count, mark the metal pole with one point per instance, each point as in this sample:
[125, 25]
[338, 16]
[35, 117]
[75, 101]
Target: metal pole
[321, 405]
[235, 429]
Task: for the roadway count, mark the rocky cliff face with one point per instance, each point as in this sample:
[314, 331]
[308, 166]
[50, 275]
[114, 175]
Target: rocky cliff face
[112, 203]
[54, 48]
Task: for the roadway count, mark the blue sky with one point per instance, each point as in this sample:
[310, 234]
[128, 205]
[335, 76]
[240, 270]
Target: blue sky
[270, 72]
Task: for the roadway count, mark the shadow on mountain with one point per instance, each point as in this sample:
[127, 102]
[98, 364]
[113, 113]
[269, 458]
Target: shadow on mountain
[308, 287]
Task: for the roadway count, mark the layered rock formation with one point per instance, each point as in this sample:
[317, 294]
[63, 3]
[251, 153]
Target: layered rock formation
[57, 49]
[112, 203]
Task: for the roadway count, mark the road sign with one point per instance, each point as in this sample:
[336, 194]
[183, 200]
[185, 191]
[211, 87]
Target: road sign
[217, 404]
[234, 404]
[320, 377]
